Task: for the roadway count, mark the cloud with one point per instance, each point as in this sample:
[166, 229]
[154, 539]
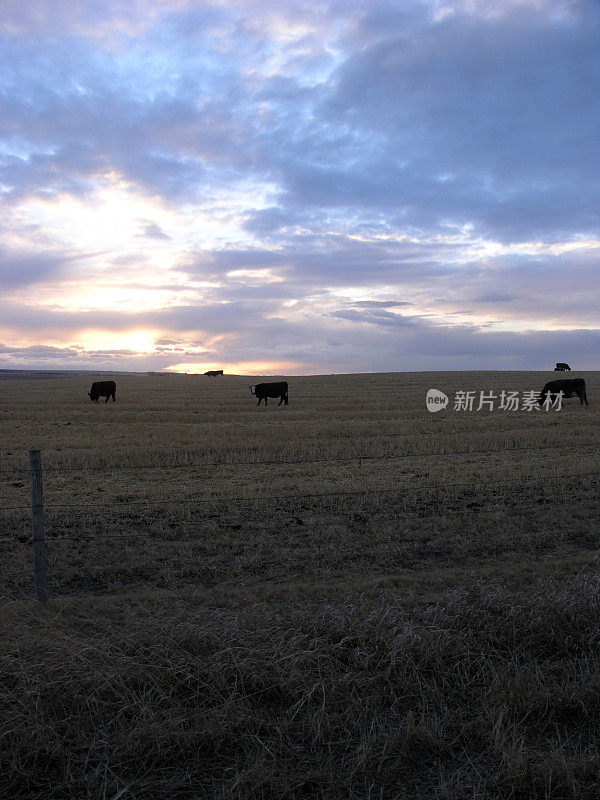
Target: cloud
[41, 352]
[471, 118]
[333, 184]
[495, 297]
[20, 268]
[375, 317]
[153, 231]
[380, 303]
[422, 346]
[487, 119]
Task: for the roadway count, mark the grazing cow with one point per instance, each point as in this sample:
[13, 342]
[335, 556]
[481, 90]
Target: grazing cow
[212, 373]
[561, 367]
[264, 390]
[103, 389]
[570, 387]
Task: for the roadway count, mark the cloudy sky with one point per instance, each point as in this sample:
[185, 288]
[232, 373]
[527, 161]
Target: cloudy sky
[293, 187]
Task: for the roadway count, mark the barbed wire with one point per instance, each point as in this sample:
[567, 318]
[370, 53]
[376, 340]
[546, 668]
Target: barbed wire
[371, 436]
[532, 483]
[283, 498]
[411, 515]
[183, 573]
[298, 462]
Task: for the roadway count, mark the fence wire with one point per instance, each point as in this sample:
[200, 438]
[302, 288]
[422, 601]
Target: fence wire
[290, 496]
[284, 502]
[207, 463]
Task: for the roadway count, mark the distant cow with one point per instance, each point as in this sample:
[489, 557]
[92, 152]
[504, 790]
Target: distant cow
[212, 373]
[264, 390]
[570, 387]
[560, 367]
[103, 389]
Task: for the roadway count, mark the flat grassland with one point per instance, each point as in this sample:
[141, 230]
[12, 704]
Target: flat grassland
[346, 597]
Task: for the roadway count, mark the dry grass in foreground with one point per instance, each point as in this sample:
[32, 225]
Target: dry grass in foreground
[486, 694]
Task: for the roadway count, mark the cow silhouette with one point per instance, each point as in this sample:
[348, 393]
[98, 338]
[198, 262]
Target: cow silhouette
[570, 387]
[102, 389]
[264, 390]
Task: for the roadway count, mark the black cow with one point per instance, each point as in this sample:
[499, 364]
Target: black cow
[570, 387]
[212, 373]
[264, 390]
[103, 389]
[561, 367]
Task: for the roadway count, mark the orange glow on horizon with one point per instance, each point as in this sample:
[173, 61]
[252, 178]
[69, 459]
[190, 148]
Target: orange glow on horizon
[240, 367]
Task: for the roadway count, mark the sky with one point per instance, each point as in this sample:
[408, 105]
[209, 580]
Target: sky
[290, 187]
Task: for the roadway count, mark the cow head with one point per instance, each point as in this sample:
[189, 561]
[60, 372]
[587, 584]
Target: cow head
[251, 389]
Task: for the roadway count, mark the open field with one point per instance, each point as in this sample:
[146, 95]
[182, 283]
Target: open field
[174, 484]
[346, 597]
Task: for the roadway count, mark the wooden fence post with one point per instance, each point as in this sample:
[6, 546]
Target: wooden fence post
[40, 579]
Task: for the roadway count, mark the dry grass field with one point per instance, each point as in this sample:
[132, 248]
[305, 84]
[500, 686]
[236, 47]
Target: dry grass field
[348, 597]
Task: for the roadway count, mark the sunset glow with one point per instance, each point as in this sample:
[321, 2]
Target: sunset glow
[277, 189]
[241, 368]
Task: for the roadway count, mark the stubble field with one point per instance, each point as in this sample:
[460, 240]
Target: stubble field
[185, 481]
[346, 597]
